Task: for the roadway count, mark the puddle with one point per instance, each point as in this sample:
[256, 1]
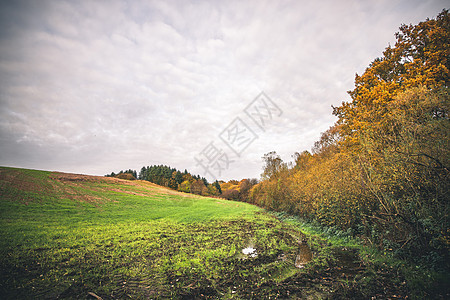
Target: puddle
[304, 255]
[250, 251]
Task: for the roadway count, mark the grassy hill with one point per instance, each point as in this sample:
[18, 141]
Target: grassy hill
[77, 236]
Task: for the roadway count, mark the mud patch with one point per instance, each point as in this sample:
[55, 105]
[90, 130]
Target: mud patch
[65, 184]
[304, 255]
[21, 181]
[24, 186]
[132, 193]
[347, 261]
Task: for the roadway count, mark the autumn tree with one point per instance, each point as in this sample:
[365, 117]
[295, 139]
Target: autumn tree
[406, 168]
[420, 57]
[185, 186]
[198, 187]
[273, 165]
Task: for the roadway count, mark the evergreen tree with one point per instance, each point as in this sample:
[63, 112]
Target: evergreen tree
[217, 186]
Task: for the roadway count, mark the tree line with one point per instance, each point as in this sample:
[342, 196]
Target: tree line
[172, 178]
[186, 182]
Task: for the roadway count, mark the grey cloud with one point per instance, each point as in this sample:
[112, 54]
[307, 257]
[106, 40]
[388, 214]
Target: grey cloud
[93, 87]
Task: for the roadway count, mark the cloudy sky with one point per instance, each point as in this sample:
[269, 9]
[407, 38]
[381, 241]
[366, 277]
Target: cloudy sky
[98, 86]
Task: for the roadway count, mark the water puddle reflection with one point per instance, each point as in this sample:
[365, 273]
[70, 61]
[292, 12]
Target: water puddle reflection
[304, 255]
[250, 251]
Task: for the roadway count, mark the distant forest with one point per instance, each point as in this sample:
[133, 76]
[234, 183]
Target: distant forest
[173, 178]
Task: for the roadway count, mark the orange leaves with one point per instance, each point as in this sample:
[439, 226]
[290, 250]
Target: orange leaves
[420, 57]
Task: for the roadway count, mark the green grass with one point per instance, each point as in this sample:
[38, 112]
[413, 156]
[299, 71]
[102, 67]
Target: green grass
[66, 237]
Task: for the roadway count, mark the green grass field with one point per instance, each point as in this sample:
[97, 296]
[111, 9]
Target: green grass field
[65, 235]
[76, 236]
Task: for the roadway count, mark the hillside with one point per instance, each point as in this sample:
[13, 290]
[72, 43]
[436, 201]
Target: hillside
[77, 236]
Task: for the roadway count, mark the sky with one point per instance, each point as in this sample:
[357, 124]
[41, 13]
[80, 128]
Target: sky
[94, 87]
